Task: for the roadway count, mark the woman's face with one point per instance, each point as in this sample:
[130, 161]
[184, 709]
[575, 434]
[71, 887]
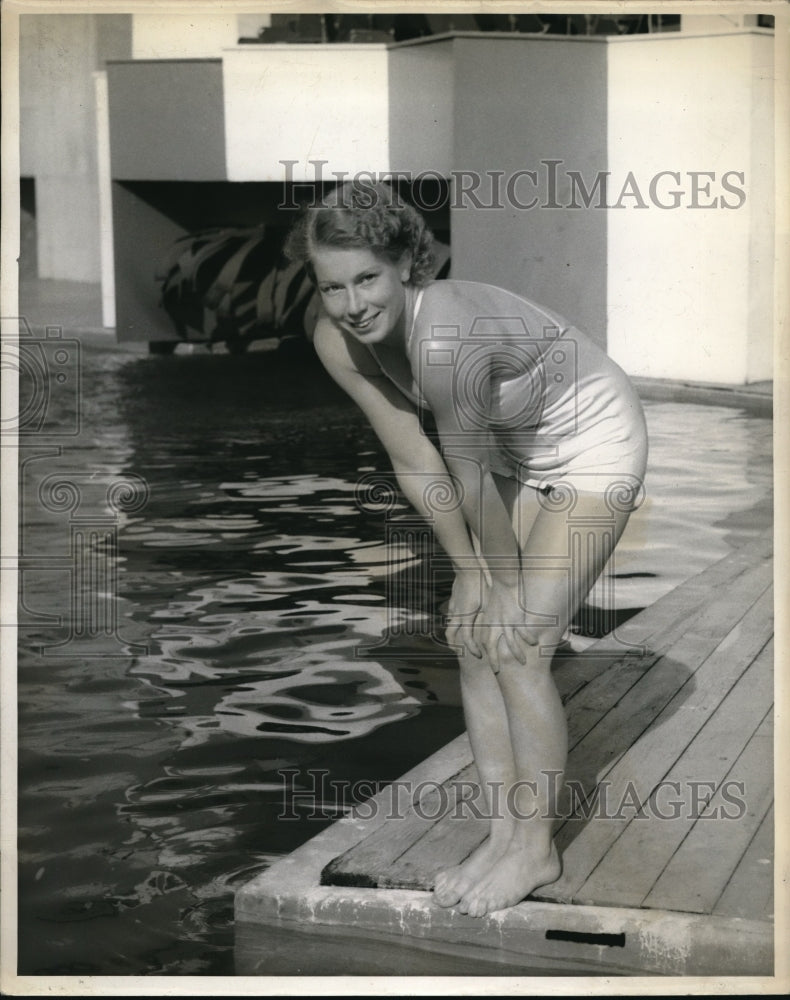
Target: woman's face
[362, 292]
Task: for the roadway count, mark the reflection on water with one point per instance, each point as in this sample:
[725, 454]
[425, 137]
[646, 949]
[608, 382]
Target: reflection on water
[284, 639]
[152, 784]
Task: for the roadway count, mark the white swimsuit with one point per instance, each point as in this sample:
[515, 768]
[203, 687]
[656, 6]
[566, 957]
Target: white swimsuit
[560, 411]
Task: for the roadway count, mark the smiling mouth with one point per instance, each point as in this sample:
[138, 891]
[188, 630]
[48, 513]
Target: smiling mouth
[364, 325]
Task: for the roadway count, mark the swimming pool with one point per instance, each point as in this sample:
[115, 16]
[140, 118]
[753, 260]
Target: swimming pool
[153, 784]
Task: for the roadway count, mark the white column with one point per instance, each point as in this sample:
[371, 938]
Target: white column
[107, 263]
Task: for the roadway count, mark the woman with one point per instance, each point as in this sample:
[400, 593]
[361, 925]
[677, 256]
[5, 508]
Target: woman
[543, 445]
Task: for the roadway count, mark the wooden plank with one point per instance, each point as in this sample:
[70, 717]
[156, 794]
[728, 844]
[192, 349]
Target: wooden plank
[366, 863]
[633, 864]
[448, 843]
[659, 625]
[690, 882]
[655, 731]
[676, 667]
[688, 642]
[698, 590]
[611, 731]
[750, 892]
[680, 602]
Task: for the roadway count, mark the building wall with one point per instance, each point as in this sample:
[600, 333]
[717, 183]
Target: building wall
[143, 234]
[167, 119]
[422, 110]
[58, 54]
[690, 288]
[520, 102]
[305, 102]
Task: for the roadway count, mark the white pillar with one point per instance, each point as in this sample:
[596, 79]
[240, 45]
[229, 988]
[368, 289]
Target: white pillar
[107, 263]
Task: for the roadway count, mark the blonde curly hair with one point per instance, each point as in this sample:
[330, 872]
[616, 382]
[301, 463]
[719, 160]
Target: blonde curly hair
[363, 215]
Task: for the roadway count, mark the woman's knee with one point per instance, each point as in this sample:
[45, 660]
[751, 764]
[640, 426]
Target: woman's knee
[533, 653]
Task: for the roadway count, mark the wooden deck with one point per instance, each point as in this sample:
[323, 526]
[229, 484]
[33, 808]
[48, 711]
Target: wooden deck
[667, 839]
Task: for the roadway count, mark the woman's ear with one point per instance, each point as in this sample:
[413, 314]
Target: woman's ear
[404, 264]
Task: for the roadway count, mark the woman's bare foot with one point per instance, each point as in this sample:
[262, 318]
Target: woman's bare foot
[452, 883]
[517, 873]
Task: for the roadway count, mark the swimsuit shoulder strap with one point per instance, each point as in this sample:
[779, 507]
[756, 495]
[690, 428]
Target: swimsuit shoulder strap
[417, 303]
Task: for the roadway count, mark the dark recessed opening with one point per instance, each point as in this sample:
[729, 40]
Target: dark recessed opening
[577, 937]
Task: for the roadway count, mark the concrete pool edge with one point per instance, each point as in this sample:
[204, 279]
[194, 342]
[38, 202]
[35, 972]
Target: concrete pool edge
[756, 398]
[347, 922]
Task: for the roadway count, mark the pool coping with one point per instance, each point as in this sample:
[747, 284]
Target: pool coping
[756, 397]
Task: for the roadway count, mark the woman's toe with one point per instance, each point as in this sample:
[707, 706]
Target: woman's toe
[445, 897]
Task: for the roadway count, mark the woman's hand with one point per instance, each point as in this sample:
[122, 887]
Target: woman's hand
[503, 618]
[466, 602]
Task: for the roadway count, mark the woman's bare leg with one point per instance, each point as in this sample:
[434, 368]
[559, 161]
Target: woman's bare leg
[487, 726]
[560, 561]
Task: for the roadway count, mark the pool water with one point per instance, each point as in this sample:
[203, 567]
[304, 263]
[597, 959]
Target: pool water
[268, 659]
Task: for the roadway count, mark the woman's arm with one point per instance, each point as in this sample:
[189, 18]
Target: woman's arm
[417, 464]
[466, 454]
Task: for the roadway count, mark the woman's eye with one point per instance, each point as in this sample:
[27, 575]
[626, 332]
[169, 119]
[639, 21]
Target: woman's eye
[369, 277]
[330, 289]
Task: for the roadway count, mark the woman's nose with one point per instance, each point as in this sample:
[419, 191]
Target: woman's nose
[355, 305]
